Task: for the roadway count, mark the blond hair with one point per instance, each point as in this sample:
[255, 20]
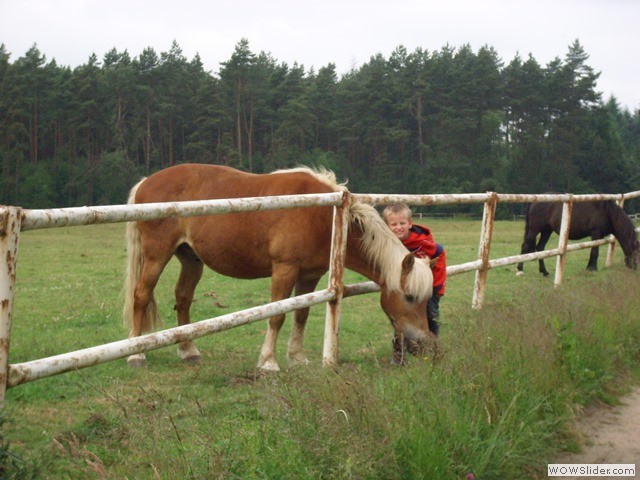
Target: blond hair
[397, 208]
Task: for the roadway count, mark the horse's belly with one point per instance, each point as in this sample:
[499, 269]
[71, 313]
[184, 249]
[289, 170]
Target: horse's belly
[249, 245]
[236, 263]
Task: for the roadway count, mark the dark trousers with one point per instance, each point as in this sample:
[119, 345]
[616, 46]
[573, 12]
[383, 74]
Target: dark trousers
[433, 310]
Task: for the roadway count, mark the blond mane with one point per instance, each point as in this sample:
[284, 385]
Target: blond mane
[386, 252]
[325, 176]
[380, 245]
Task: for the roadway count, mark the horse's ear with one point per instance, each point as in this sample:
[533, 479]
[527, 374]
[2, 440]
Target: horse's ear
[407, 263]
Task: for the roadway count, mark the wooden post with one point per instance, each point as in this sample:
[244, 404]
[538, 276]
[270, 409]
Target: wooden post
[336, 271]
[484, 250]
[10, 220]
[567, 208]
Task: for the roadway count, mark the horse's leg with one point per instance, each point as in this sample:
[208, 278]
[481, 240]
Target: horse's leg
[544, 238]
[142, 298]
[295, 350]
[528, 246]
[190, 275]
[283, 278]
[593, 257]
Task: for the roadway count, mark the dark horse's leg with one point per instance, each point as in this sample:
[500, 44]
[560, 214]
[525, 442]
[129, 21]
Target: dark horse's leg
[529, 246]
[295, 350]
[542, 243]
[190, 275]
[593, 256]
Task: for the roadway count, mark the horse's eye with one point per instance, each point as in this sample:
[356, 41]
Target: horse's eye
[409, 298]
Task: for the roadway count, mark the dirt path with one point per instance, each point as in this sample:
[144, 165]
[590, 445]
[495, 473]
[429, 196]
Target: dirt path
[612, 435]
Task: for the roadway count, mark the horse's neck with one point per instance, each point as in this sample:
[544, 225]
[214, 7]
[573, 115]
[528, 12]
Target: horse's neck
[355, 260]
[623, 230]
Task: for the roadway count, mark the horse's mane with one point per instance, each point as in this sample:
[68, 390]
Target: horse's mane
[325, 176]
[622, 226]
[386, 252]
[381, 247]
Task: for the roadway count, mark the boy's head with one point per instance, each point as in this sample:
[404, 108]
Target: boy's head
[398, 218]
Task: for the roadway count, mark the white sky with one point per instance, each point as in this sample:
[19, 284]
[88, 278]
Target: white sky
[345, 32]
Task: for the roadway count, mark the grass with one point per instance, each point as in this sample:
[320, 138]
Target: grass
[499, 403]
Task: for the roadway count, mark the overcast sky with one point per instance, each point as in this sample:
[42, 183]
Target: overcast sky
[344, 32]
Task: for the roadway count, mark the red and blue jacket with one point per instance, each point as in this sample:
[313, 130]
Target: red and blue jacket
[420, 242]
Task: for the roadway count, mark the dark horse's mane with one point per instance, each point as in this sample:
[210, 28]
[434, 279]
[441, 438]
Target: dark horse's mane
[622, 227]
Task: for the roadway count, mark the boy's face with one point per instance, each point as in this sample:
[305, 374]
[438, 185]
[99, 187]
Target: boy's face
[399, 225]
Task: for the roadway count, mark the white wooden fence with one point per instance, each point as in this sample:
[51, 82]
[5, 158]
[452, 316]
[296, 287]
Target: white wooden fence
[14, 220]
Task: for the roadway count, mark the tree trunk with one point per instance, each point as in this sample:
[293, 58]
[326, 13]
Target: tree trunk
[250, 135]
[147, 144]
[239, 123]
[34, 132]
[420, 133]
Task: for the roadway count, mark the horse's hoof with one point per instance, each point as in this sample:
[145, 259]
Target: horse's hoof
[192, 360]
[269, 366]
[298, 360]
[545, 274]
[136, 361]
[519, 273]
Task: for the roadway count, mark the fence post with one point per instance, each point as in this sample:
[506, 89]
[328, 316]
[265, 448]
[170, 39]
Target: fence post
[10, 220]
[484, 249]
[565, 225]
[336, 271]
[612, 245]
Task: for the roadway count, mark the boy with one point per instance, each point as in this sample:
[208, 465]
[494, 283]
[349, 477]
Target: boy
[419, 241]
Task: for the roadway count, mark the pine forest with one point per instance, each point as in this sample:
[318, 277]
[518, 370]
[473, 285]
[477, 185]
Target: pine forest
[447, 121]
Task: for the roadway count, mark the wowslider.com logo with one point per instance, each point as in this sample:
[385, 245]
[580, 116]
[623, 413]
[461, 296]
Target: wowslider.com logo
[591, 470]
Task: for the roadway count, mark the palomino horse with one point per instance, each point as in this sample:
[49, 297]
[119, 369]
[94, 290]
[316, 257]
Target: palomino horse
[291, 246]
[595, 219]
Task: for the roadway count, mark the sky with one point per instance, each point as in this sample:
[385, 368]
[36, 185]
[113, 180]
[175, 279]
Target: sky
[344, 32]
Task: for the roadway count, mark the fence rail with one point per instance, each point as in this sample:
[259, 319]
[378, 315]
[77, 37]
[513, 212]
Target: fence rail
[14, 220]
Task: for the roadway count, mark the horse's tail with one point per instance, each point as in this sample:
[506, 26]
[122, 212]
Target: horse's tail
[150, 319]
[526, 220]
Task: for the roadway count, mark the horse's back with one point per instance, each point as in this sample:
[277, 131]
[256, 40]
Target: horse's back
[586, 218]
[244, 244]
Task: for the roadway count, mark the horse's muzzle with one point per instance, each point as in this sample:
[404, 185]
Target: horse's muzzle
[414, 343]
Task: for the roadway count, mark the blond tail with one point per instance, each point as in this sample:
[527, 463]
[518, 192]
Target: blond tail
[150, 319]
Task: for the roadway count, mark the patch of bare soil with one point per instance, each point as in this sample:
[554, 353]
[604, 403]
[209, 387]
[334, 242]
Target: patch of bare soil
[611, 435]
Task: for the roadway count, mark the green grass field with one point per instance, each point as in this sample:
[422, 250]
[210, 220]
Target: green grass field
[499, 402]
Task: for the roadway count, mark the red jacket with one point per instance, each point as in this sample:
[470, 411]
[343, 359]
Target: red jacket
[421, 243]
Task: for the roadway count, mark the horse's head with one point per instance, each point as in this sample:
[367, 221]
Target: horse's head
[407, 310]
[631, 260]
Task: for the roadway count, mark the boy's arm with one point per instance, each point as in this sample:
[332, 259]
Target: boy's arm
[431, 248]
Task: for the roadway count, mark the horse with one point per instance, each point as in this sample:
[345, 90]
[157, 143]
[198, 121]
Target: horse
[595, 219]
[292, 246]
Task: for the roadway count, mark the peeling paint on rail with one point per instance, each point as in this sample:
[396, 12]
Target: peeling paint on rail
[29, 371]
[75, 216]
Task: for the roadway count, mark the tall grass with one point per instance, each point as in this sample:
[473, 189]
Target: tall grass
[499, 401]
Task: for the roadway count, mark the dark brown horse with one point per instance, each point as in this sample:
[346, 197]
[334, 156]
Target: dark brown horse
[291, 246]
[588, 219]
